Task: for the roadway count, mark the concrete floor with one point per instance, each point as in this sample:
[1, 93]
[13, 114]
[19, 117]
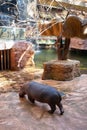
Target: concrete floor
[20, 114]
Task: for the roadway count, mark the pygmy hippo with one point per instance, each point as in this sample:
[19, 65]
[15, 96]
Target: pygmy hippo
[42, 93]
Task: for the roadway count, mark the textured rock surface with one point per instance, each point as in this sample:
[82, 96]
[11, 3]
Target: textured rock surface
[12, 80]
[77, 43]
[20, 114]
[22, 55]
[61, 70]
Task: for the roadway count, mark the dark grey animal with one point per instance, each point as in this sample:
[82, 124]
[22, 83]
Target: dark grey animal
[42, 93]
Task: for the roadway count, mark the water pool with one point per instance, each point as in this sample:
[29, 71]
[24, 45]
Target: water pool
[45, 55]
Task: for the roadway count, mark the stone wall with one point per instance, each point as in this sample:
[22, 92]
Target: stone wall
[22, 55]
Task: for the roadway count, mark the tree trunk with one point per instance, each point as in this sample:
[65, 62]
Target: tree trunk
[62, 48]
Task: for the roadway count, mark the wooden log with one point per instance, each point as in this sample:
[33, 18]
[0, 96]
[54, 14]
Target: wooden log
[51, 29]
[67, 5]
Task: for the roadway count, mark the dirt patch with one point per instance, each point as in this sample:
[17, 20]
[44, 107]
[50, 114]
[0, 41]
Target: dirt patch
[12, 80]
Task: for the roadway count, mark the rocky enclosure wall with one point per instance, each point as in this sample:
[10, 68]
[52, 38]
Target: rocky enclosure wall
[22, 55]
[77, 43]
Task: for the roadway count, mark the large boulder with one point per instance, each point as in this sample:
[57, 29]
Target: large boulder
[61, 70]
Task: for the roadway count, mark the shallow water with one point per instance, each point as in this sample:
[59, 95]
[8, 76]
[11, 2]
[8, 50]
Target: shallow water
[44, 55]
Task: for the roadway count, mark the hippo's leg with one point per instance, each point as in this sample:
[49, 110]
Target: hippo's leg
[31, 99]
[61, 108]
[53, 108]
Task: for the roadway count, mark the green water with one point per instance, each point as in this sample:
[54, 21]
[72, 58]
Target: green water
[44, 55]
